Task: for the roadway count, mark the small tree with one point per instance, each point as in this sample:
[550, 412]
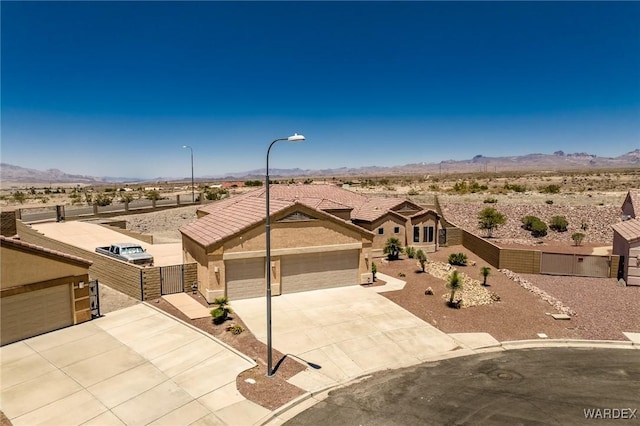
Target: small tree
[454, 283]
[222, 311]
[485, 271]
[489, 219]
[577, 238]
[102, 200]
[392, 248]
[374, 270]
[422, 258]
[153, 195]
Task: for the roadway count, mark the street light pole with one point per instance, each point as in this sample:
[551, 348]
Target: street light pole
[193, 196]
[295, 138]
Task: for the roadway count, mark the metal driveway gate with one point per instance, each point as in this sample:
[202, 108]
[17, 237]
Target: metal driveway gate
[171, 279]
[580, 265]
[94, 299]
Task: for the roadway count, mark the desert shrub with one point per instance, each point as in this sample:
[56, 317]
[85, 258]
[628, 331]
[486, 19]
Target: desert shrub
[550, 189]
[577, 238]
[235, 329]
[490, 200]
[253, 183]
[374, 270]
[153, 195]
[559, 223]
[402, 274]
[413, 191]
[489, 219]
[102, 200]
[538, 229]
[458, 259]
[515, 187]
[549, 202]
[410, 252]
[222, 310]
[527, 221]
[460, 187]
[216, 194]
[19, 197]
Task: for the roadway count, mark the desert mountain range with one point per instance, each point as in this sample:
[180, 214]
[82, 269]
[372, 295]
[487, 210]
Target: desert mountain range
[530, 162]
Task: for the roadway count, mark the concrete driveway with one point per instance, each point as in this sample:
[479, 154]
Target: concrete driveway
[88, 236]
[348, 331]
[135, 366]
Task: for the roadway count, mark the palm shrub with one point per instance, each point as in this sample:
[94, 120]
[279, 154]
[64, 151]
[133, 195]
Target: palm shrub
[485, 271]
[559, 223]
[221, 311]
[459, 259]
[410, 252]
[454, 283]
[422, 258]
[392, 248]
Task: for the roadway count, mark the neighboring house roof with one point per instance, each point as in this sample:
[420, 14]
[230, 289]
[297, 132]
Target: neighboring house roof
[375, 208]
[20, 245]
[425, 212]
[633, 198]
[629, 229]
[226, 220]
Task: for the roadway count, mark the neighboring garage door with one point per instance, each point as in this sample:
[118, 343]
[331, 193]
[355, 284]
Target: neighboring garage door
[36, 312]
[245, 278]
[313, 271]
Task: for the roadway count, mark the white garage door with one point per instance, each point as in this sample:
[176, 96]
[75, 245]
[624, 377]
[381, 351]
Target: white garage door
[313, 271]
[29, 314]
[245, 278]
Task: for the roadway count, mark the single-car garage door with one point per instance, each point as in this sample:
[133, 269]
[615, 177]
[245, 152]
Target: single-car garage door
[245, 278]
[313, 271]
[29, 314]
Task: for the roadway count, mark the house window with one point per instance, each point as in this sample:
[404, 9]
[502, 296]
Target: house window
[396, 230]
[416, 234]
[427, 234]
[380, 231]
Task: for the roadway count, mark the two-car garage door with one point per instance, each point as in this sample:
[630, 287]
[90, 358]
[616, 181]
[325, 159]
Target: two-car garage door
[313, 271]
[301, 272]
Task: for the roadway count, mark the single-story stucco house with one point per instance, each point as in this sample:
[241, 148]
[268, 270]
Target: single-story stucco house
[322, 236]
[626, 238]
[41, 290]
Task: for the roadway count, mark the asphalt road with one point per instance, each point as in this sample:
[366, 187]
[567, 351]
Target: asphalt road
[531, 386]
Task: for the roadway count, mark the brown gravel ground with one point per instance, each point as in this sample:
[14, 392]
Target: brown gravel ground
[519, 314]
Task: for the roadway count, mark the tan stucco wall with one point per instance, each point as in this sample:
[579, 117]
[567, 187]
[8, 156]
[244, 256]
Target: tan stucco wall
[387, 222]
[20, 268]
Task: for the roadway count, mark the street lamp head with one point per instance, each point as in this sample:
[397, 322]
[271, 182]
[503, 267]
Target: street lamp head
[296, 138]
[186, 146]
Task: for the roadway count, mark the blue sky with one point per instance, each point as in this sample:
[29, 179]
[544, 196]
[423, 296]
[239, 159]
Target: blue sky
[116, 88]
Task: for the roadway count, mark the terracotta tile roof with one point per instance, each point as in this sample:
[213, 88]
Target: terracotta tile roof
[39, 250]
[375, 208]
[634, 198]
[228, 217]
[324, 204]
[629, 229]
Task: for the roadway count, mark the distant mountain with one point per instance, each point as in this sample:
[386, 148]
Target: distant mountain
[530, 162]
[17, 174]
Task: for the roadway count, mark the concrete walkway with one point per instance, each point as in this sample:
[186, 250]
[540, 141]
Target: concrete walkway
[88, 236]
[136, 366]
[187, 305]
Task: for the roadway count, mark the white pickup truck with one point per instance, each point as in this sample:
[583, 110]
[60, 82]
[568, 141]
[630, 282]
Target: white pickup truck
[128, 252]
